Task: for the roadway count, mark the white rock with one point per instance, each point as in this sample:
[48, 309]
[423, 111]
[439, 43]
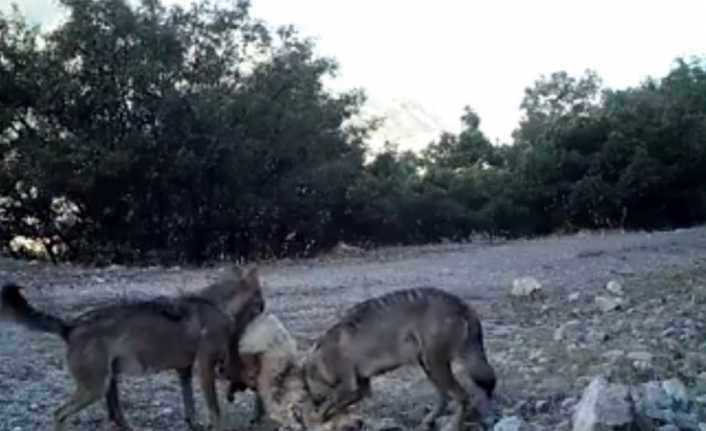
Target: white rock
[574, 296]
[603, 406]
[525, 286]
[606, 303]
[562, 331]
[615, 288]
[640, 356]
[541, 406]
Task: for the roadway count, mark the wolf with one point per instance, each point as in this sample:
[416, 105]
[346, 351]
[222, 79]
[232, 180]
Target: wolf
[423, 325]
[143, 337]
[274, 369]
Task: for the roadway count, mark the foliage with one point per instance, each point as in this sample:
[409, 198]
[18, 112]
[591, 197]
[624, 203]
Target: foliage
[143, 134]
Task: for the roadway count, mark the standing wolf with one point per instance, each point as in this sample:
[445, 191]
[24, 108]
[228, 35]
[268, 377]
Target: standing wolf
[146, 337]
[425, 325]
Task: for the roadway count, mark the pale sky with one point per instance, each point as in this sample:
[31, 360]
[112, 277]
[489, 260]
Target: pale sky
[448, 53]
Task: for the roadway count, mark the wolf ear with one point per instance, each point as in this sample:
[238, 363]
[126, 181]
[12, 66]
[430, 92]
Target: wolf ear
[252, 276]
[238, 270]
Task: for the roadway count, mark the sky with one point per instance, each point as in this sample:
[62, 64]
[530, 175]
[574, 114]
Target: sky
[450, 53]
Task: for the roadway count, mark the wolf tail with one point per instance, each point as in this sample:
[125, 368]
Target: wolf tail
[14, 305]
[477, 363]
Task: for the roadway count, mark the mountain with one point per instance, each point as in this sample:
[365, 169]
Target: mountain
[406, 123]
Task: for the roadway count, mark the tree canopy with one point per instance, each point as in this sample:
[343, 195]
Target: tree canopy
[154, 134]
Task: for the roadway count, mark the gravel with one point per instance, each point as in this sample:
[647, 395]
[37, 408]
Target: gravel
[308, 294]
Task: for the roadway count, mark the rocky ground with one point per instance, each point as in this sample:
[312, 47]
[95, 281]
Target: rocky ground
[548, 344]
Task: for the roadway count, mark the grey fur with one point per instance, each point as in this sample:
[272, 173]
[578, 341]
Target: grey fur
[145, 337]
[425, 325]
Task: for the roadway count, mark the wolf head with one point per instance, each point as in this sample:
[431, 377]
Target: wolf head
[238, 293]
[318, 381]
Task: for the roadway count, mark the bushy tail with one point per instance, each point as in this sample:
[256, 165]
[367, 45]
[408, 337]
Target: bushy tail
[15, 307]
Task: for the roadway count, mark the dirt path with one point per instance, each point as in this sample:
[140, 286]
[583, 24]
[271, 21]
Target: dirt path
[307, 295]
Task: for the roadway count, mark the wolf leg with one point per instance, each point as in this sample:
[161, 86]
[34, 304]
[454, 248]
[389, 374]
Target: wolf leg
[259, 410]
[207, 365]
[429, 420]
[115, 411]
[91, 369]
[187, 395]
[443, 378]
[345, 396]
[442, 401]
[82, 398]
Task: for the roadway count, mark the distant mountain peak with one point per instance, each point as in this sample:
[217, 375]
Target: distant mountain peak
[406, 122]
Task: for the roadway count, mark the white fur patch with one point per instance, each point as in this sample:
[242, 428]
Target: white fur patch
[266, 333]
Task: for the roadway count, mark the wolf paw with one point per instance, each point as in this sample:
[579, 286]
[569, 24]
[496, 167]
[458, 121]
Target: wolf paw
[194, 425]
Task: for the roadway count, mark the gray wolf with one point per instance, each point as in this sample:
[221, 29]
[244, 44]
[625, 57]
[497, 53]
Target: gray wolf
[142, 337]
[274, 370]
[425, 326]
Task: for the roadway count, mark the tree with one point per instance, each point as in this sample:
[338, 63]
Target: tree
[178, 133]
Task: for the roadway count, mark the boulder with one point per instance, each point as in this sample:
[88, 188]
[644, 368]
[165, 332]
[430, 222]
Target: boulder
[604, 406]
[526, 287]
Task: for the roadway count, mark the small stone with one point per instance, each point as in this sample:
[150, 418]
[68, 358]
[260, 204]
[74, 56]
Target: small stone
[613, 354]
[642, 365]
[606, 303]
[640, 356]
[536, 355]
[596, 336]
[512, 423]
[561, 332]
[668, 428]
[541, 406]
[669, 332]
[574, 297]
[615, 288]
[525, 287]
[568, 403]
